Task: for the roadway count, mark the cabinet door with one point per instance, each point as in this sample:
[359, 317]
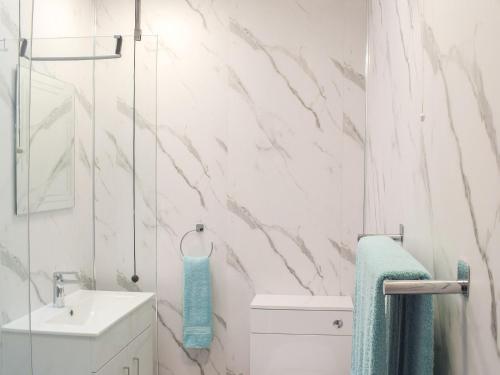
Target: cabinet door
[141, 354]
[135, 359]
[119, 365]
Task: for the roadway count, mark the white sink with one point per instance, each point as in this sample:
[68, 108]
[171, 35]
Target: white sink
[87, 313]
[82, 337]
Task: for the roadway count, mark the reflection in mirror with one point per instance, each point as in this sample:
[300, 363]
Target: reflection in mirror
[50, 134]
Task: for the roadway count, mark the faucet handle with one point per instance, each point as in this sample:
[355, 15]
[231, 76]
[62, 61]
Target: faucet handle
[59, 275]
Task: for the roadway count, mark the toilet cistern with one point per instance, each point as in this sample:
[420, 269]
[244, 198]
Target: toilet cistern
[300, 335]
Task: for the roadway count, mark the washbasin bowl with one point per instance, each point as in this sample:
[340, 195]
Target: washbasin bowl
[86, 313]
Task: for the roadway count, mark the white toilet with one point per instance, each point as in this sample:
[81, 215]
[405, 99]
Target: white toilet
[300, 335]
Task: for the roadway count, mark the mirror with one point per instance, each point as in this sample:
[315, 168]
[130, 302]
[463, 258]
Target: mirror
[48, 132]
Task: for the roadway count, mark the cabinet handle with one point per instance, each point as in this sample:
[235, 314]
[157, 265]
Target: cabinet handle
[126, 370]
[138, 364]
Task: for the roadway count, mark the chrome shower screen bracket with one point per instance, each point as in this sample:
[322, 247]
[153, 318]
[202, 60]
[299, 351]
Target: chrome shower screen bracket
[118, 53]
[137, 28]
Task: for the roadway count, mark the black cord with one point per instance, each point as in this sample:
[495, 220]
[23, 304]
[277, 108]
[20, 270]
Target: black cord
[135, 277]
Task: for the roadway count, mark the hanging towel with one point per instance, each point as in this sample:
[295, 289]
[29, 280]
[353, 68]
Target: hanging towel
[394, 338]
[197, 303]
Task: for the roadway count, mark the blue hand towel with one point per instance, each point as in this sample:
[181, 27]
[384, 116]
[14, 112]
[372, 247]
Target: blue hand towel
[197, 303]
[397, 337]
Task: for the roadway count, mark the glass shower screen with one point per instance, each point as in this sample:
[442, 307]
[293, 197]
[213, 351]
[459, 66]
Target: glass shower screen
[80, 196]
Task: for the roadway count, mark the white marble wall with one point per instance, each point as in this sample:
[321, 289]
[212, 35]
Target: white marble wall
[114, 166]
[59, 240]
[62, 240]
[440, 174]
[14, 275]
[260, 137]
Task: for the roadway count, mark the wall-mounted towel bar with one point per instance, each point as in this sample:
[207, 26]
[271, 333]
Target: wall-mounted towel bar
[396, 237]
[459, 286]
[116, 55]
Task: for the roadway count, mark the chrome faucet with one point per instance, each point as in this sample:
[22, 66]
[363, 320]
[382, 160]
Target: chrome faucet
[58, 282]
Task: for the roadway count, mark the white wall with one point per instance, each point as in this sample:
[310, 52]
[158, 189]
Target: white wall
[14, 278]
[114, 167]
[261, 118]
[60, 240]
[440, 176]
[260, 137]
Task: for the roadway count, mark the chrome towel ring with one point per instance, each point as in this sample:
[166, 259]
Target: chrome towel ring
[199, 228]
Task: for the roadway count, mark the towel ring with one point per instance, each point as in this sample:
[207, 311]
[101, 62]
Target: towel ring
[199, 228]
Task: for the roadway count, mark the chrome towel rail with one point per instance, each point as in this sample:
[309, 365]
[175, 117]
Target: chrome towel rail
[396, 237]
[426, 287]
[116, 55]
[411, 287]
[459, 286]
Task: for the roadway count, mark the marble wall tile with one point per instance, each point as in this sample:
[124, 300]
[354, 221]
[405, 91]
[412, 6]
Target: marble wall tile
[432, 158]
[114, 98]
[14, 255]
[259, 133]
[14, 270]
[59, 240]
[260, 136]
[14, 275]
[66, 234]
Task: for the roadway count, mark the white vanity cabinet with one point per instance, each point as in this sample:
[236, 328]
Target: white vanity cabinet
[135, 359]
[98, 332]
[142, 354]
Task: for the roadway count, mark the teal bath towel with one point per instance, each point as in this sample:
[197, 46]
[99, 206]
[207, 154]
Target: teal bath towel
[392, 335]
[197, 303]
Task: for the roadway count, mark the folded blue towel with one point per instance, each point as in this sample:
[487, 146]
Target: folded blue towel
[197, 303]
[396, 338]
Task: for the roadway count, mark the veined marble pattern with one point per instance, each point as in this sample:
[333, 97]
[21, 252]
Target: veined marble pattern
[60, 240]
[14, 275]
[66, 234]
[433, 158]
[114, 166]
[260, 137]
